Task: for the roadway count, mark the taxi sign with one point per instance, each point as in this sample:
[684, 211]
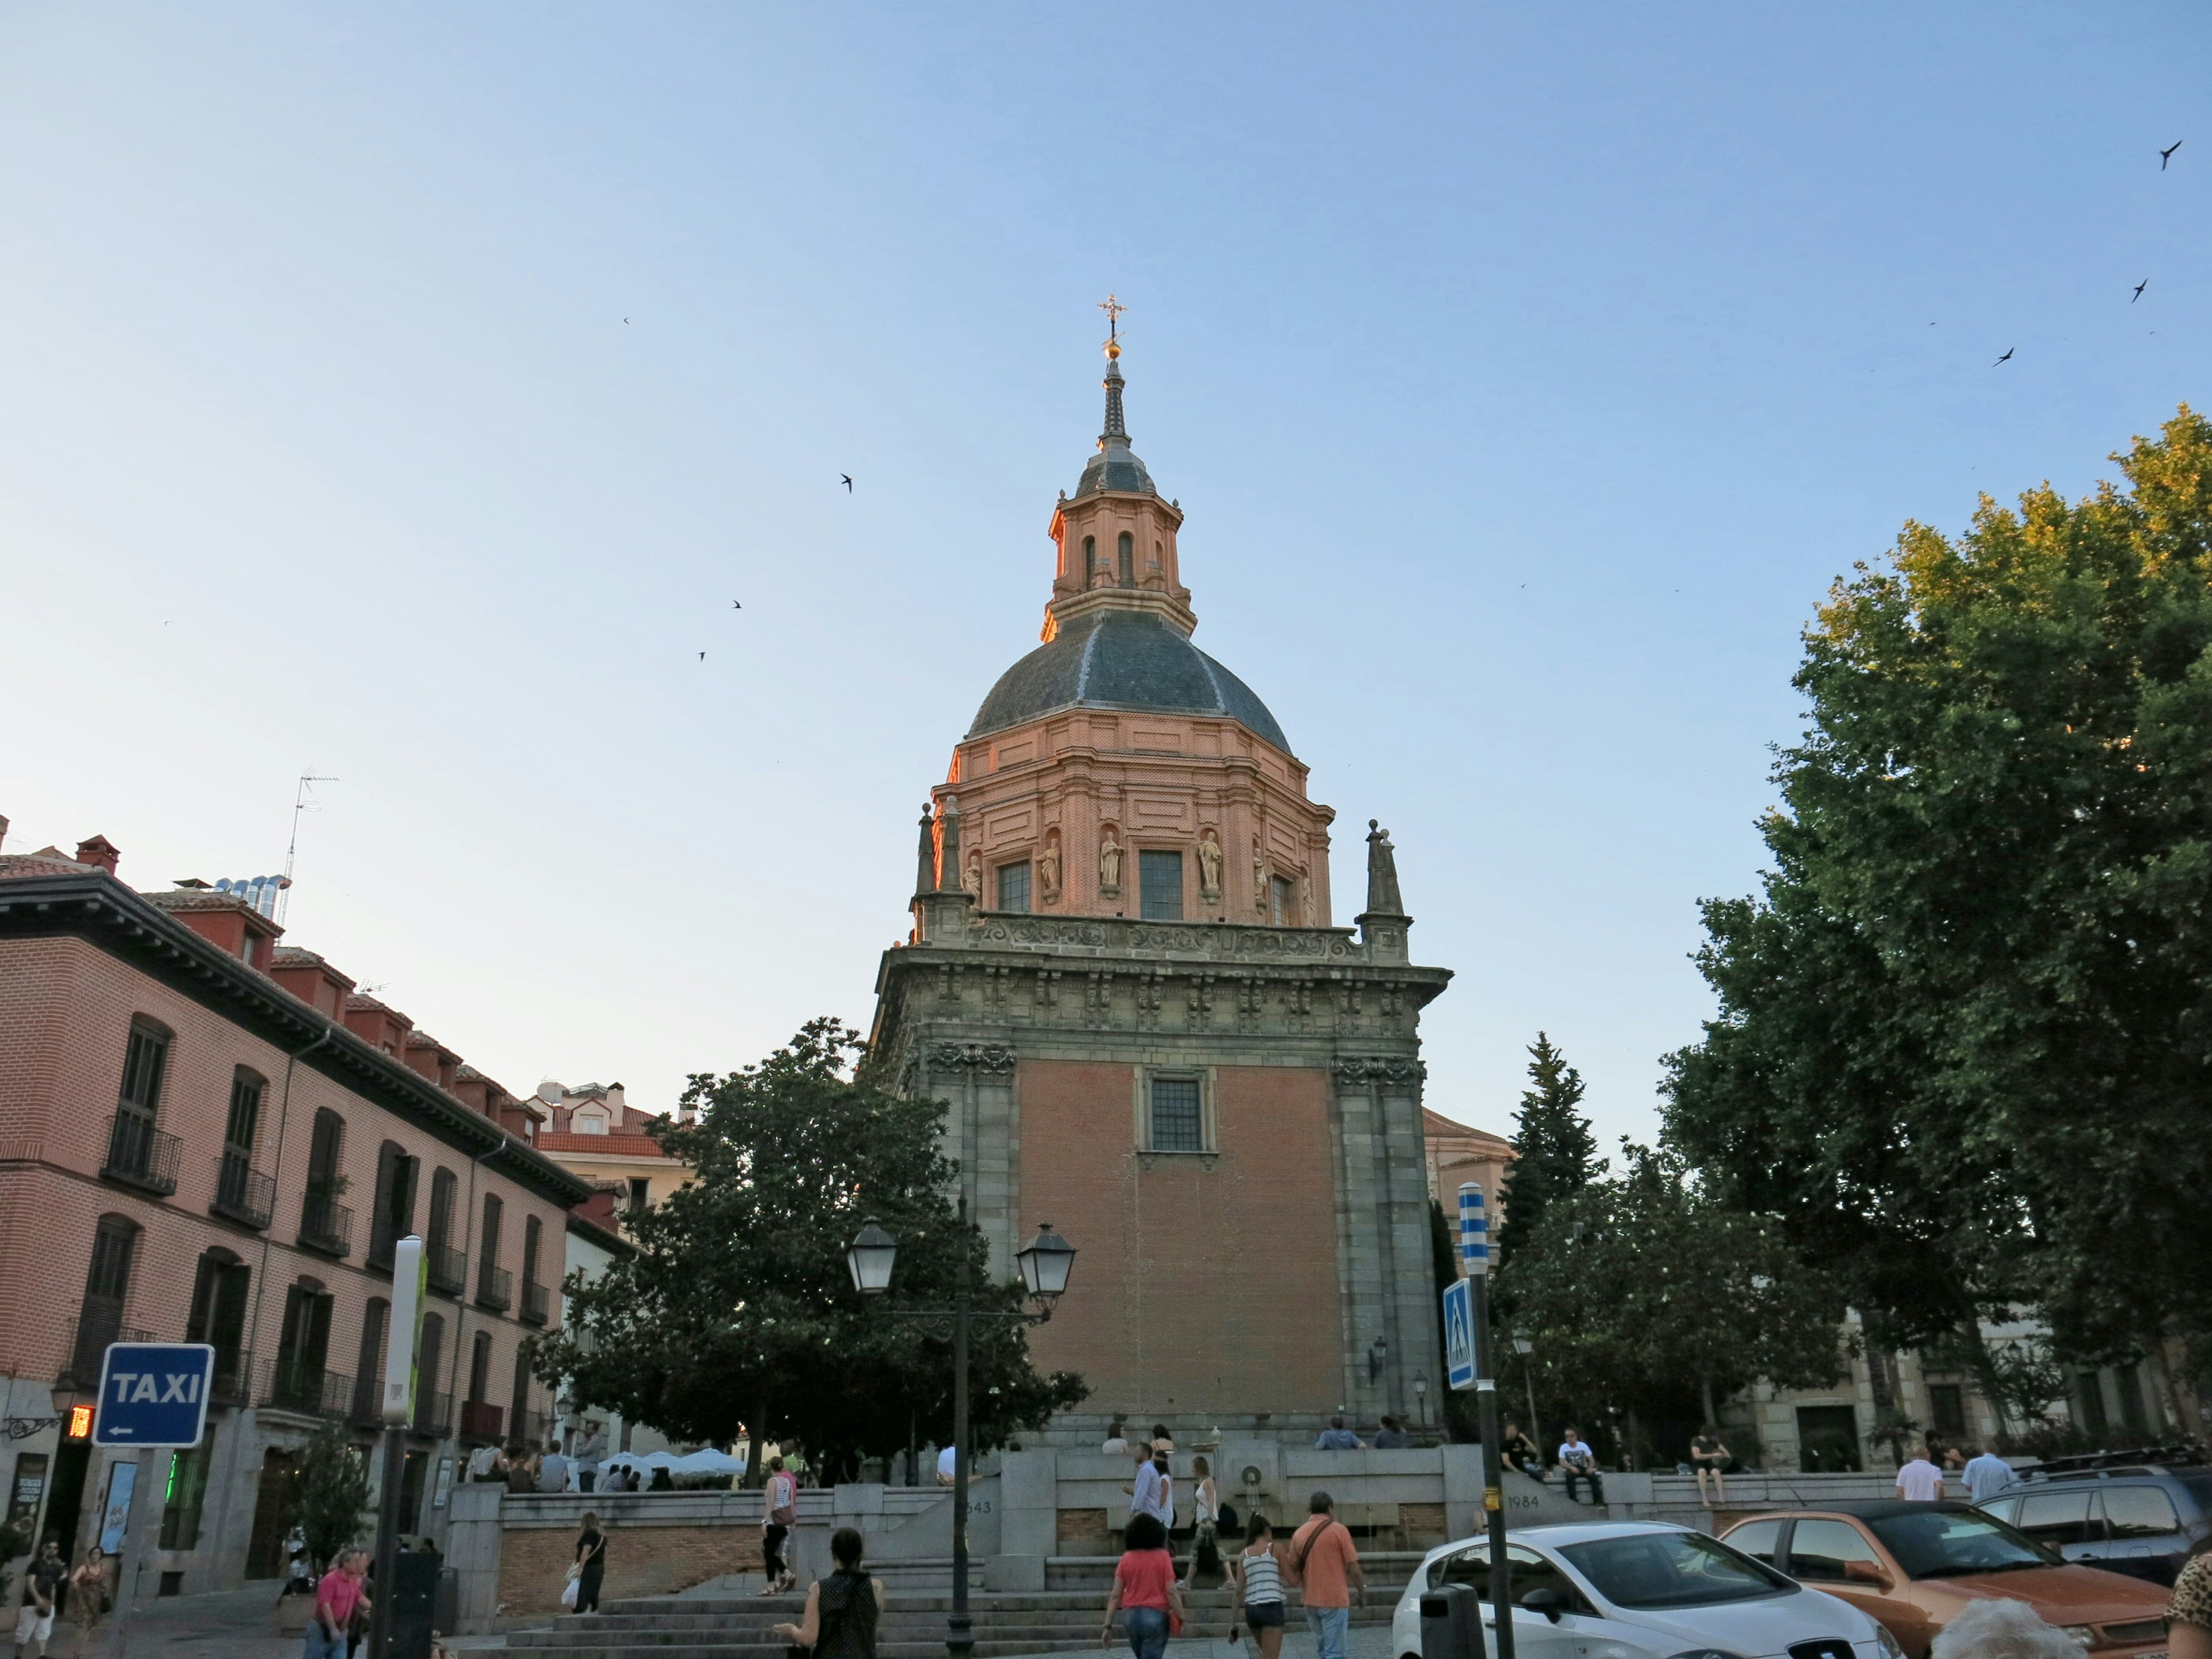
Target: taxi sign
[154, 1394]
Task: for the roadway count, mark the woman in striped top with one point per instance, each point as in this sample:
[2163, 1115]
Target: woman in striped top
[1259, 1576]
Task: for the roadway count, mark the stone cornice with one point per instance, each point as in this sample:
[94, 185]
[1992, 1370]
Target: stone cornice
[113, 918]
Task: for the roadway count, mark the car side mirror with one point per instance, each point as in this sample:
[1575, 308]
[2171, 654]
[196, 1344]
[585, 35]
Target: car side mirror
[1546, 1601]
[1865, 1572]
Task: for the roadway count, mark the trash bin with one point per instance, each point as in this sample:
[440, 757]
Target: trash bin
[414, 1593]
[446, 1608]
[1452, 1622]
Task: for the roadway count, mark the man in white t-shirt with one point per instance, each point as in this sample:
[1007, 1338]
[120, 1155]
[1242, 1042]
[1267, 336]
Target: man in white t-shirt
[1920, 1481]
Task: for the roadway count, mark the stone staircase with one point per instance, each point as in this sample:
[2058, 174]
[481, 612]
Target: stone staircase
[912, 1625]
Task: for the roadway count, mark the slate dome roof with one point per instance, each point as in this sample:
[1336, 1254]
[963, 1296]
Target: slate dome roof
[1131, 660]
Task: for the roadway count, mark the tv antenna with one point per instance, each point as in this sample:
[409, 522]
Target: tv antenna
[299, 804]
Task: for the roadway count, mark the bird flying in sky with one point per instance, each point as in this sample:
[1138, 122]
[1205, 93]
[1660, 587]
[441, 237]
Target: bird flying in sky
[848, 477]
[736, 605]
[703, 656]
[2140, 287]
[2006, 358]
[2166, 154]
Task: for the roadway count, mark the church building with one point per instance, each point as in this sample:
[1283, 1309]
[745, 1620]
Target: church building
[1124, 978]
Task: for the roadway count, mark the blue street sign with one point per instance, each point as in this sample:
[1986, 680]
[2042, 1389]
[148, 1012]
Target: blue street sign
[1458, 1334]
[154, 1394]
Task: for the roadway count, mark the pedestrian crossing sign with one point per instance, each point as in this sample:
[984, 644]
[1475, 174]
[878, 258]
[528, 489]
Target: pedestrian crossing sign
[1458, 1334]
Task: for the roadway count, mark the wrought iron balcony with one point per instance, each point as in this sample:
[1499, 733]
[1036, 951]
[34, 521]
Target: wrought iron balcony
[433, 1413]
[482, 1420]
[495, 1288]
[367, 1407]
[537, 1302]
[139, 1155]
[449, 1269]
[99, 1322]
[293, 1385]
[234, 1378]
[325, 1225]
[242, 1193]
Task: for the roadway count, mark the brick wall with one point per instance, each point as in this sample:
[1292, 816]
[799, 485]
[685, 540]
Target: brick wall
[1197, 1289]
[642, 1560]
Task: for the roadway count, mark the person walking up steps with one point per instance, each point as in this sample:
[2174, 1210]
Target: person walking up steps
[842, 1610]
[1258, 1577]
[779, 1514]
[1324, 1566]
[591, 1565]
[1145, 1591]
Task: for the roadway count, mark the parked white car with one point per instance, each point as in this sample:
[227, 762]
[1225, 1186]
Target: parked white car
[1644, 1589]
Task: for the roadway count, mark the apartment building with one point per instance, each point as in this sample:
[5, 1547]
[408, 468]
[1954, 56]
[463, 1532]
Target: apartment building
[208, 1136]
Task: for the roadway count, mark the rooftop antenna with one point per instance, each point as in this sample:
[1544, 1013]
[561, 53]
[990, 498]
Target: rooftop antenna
[299, 804]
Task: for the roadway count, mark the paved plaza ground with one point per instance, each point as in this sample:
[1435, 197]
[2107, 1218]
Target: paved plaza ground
[239, 1625]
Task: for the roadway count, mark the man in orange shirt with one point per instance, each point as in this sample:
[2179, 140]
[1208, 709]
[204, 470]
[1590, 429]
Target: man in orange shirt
[1324, 1565]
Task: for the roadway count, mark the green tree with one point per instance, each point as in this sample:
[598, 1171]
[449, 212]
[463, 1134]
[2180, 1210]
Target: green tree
[738, 1308]
[332, 1492]
[1645, 1298]
[1554, 1153]
[1964, 1046]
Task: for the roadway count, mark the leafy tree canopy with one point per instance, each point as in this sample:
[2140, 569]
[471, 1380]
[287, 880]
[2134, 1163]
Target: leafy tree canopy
[1965, 1038]
[738, 1307]
[331, 1493]
[1642, 1295]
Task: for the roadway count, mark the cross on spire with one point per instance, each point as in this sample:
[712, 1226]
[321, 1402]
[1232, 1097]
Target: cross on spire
[1113, 307]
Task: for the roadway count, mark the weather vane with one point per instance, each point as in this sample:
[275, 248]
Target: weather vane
[1113, 307]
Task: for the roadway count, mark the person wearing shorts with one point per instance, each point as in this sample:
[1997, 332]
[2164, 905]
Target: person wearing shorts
[41, 1590]
[1259, 1578]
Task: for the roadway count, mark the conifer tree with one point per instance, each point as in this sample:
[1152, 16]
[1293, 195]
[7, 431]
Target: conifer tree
[1555, 1154]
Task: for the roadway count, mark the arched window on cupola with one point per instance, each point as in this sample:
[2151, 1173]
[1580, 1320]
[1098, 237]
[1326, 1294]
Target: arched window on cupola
[1090, 559]
[1127, 571]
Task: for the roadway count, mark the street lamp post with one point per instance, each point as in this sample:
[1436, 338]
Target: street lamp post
[1045, 1265]
[1524, 1347]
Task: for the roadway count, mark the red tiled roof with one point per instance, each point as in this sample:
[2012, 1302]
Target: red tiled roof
[549, 1141]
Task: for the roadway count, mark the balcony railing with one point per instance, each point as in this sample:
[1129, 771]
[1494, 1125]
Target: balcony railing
[449, 1269]
[98, 1323]
[139, 1155]
[242, 1193]
[537, 1302]
[536, 1430]
[234, 1378]
[293, 1385]
[433, 1413]
[481, 1420]
[368, 1406]
[325, 1225]
[495, 1288]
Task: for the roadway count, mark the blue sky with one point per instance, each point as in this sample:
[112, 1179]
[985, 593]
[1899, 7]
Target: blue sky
[1526, 372]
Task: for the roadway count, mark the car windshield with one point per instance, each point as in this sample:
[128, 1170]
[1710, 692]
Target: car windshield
[1933, 1543]
[1672, 1570]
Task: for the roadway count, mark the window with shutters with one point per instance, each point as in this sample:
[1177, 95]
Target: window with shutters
[107, 1290]
[244, 1121]
[145, 1059]
[368, 1368]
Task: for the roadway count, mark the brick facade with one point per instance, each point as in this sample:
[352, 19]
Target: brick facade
[82, 958]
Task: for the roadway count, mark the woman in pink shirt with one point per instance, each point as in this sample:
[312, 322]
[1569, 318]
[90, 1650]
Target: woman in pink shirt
[1144, 1590]
[337, 1598]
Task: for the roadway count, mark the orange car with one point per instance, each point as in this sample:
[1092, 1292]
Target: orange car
[1917, 1566]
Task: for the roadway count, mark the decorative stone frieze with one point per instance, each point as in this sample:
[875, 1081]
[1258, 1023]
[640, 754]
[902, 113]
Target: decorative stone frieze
[1379, 1068]
[972, 1056]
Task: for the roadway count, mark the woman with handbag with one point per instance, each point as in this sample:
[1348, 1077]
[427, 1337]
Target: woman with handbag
[778, 1515]
[1258, 1576]
[842, 1610]
[590, 1566]
[1206, 1513]
[1144, 1592]
[91, 1592]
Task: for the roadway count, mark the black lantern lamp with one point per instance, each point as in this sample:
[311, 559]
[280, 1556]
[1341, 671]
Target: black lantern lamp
[870, 1259]
[1046, 1264]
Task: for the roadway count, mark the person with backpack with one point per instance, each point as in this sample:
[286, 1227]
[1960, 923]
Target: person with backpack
[1324, 1566]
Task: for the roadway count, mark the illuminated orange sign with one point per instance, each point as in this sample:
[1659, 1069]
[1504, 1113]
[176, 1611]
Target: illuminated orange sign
[80, 1422]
